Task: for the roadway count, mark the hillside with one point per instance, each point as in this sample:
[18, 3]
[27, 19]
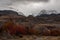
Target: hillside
[13, 24]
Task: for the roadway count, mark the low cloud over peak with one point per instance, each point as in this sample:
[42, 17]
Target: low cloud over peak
[30, 6]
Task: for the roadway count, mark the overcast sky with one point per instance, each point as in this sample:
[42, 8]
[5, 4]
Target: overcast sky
[30, 6]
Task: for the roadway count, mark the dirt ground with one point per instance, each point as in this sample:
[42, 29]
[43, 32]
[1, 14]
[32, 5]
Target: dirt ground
[33, 37]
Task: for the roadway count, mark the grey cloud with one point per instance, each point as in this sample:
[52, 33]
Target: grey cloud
[5, 2]
[10, 2]
[33, 0]
[30, 6]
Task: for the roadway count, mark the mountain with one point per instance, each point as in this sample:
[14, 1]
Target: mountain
[42, 24]
[47, 12]
[7, 12]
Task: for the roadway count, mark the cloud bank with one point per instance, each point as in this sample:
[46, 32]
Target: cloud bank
[30, 6]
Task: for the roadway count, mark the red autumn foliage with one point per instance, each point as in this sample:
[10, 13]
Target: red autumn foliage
[12, 28]
[55, 32]
[21, 29]
[46, 30]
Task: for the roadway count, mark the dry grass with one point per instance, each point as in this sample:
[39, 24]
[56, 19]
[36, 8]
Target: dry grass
[33, 37]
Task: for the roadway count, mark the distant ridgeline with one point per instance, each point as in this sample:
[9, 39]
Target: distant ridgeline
[43, 13]
[42, 16]
[7, 12]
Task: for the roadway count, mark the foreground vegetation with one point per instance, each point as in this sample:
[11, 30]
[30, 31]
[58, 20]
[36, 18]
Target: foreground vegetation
[40, 27]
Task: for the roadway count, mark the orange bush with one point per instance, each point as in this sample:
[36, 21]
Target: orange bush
[12, 28]
[21, 29]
